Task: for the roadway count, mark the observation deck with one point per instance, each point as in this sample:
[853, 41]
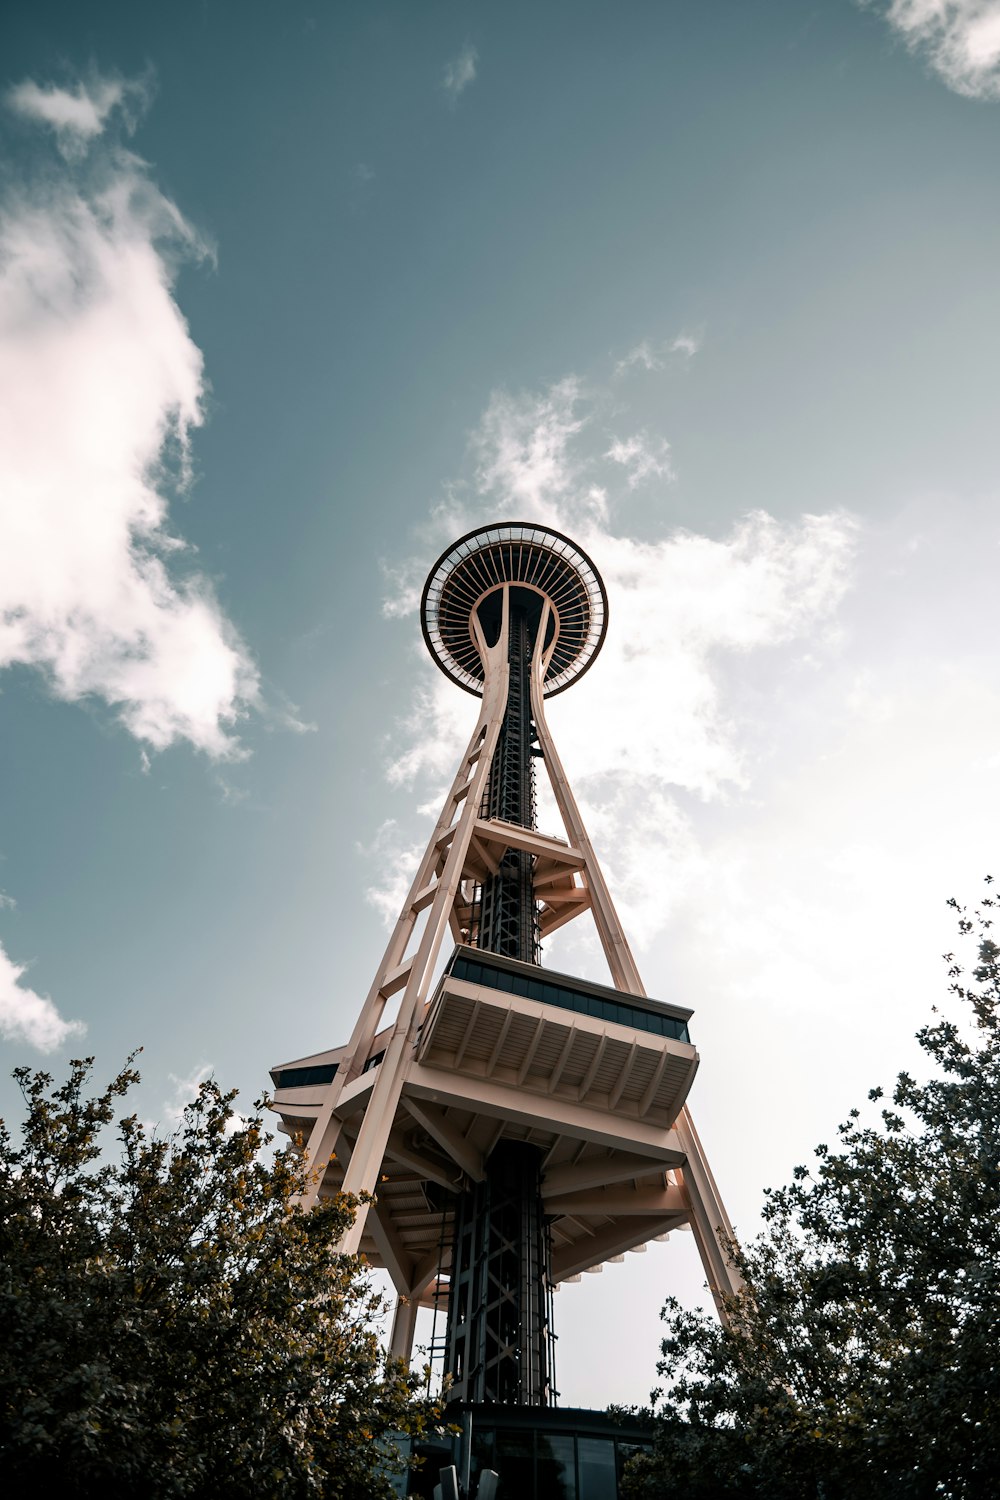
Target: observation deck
[541, 565]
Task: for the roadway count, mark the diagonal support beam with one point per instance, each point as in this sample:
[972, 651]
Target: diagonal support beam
[395, 1257]
[617, 1166]
[448, 1136]
[616, 1202]
[625, 1234]
[398, 1149]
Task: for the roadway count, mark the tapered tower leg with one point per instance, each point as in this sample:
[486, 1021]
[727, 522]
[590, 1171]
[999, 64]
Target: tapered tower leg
[404, 1325]
[709, 1220]
[364, 1171]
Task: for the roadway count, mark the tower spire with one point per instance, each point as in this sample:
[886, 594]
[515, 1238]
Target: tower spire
[514, 1126]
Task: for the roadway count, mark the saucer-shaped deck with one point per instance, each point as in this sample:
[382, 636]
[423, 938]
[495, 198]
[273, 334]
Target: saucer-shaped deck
[542, 563]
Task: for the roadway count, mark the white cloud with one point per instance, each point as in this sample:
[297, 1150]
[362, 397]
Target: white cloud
[26, 1016]
[102, 388]
[522, 447]
[643, 457]
[185, 1089]
[396, 860]
[649, 356]
[642, 356]
[78, 114]
[960, 39]
[403, 586]
[687, 344]
[460, 72]
[185, 1093]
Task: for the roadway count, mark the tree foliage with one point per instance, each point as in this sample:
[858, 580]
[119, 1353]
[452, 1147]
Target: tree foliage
[861, 1360]
[172, 1324]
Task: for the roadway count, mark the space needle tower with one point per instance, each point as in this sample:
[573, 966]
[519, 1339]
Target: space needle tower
[513, 1125]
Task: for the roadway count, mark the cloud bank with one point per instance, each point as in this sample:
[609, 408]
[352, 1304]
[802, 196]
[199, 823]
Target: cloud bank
[959, 39]
[29, 1017]
[102, 389]
[656, 721]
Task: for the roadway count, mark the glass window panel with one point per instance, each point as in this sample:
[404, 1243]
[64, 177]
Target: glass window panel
[482, 1451]
[596, 1459]
[556, 1466]
[515, 1464]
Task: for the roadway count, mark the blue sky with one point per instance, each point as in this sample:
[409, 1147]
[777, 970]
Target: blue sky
[291, 296]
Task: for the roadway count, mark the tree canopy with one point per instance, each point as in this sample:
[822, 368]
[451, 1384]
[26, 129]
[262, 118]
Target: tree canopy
[861, 1359]
[172, 1324]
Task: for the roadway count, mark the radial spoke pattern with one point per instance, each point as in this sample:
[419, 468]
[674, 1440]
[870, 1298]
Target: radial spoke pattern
[534, 559]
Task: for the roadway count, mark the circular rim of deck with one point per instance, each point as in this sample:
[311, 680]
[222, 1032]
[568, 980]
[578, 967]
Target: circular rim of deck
[574, 580]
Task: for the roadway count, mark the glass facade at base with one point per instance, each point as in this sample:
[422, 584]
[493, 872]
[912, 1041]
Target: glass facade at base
[556, 1454]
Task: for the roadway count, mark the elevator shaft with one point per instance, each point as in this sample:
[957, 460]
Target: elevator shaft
[508, 916]
[499, 1313]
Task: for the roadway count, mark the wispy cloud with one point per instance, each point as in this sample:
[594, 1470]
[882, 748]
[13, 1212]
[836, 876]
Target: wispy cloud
[395, 859]
[686, 344]
[26, 1016]
[460, 72]
[79, 114]
[642, 457]
[522, 446]
[649, 355]
[102, 389]
[959, 39]
[184, 1091]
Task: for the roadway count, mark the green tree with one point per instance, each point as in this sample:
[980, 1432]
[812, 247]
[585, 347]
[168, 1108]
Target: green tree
[172, 1324]
[862, 1358]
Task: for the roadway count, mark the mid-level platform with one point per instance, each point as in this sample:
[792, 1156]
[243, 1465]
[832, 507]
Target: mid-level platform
[593, 1077]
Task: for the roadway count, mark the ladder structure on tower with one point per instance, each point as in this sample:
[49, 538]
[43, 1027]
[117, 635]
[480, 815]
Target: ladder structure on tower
[514, 1126]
